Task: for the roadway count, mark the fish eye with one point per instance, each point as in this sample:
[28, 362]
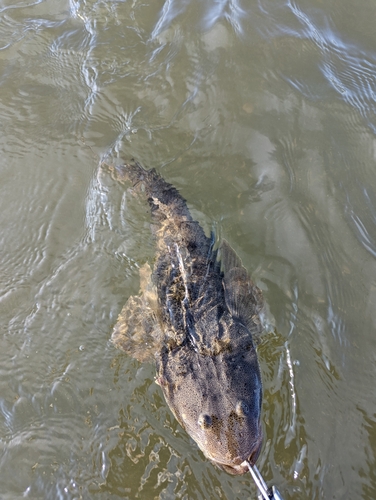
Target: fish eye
[242, 408]
[204, 421]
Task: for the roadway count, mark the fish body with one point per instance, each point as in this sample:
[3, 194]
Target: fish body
[197, 313]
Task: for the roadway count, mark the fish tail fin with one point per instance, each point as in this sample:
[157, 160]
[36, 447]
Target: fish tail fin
[132, 172]
[160, 193]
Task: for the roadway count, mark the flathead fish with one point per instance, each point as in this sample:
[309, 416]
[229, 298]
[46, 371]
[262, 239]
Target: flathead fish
[197, 314]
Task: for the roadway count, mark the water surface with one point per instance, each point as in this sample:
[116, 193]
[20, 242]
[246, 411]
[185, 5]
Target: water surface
[262, 113]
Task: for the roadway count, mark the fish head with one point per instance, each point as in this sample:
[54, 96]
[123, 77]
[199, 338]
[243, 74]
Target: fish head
[217, 400]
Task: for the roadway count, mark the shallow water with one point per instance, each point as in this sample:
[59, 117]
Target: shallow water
[263, 114]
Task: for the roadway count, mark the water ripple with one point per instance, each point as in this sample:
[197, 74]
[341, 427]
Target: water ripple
[346, 66]
[364, 224]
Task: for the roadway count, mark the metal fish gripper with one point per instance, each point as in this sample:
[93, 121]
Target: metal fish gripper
[265, 492]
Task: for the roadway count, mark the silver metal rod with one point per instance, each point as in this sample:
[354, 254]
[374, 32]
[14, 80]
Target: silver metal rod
[258, 473]
[260, 483]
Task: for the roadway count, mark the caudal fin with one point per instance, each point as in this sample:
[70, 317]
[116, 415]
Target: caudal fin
[159, 193]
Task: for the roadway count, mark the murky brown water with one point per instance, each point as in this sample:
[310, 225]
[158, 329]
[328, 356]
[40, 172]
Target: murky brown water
[263, 114]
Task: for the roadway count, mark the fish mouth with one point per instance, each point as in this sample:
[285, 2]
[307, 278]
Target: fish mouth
[239, 465]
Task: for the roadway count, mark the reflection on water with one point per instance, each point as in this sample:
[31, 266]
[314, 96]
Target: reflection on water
[263, 115]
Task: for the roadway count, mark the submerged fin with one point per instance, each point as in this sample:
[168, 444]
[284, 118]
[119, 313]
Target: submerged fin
[243, 297]
[229, 258]
[137, 331]
[164, 199]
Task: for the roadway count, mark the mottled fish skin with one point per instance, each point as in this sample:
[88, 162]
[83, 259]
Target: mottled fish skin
[198, 316]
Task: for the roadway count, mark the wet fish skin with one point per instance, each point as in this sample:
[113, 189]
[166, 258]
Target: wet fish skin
[198, 316]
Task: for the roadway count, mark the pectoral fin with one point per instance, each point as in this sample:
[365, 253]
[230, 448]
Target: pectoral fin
[243, 297]
[137, 331]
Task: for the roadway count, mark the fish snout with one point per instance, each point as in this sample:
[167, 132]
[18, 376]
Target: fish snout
[237, 464]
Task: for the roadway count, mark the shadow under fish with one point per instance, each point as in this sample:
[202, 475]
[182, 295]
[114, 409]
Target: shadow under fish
[197, 314]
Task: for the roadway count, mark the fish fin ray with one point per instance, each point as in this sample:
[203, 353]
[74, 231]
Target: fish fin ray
[243, 298]
[138, 331]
